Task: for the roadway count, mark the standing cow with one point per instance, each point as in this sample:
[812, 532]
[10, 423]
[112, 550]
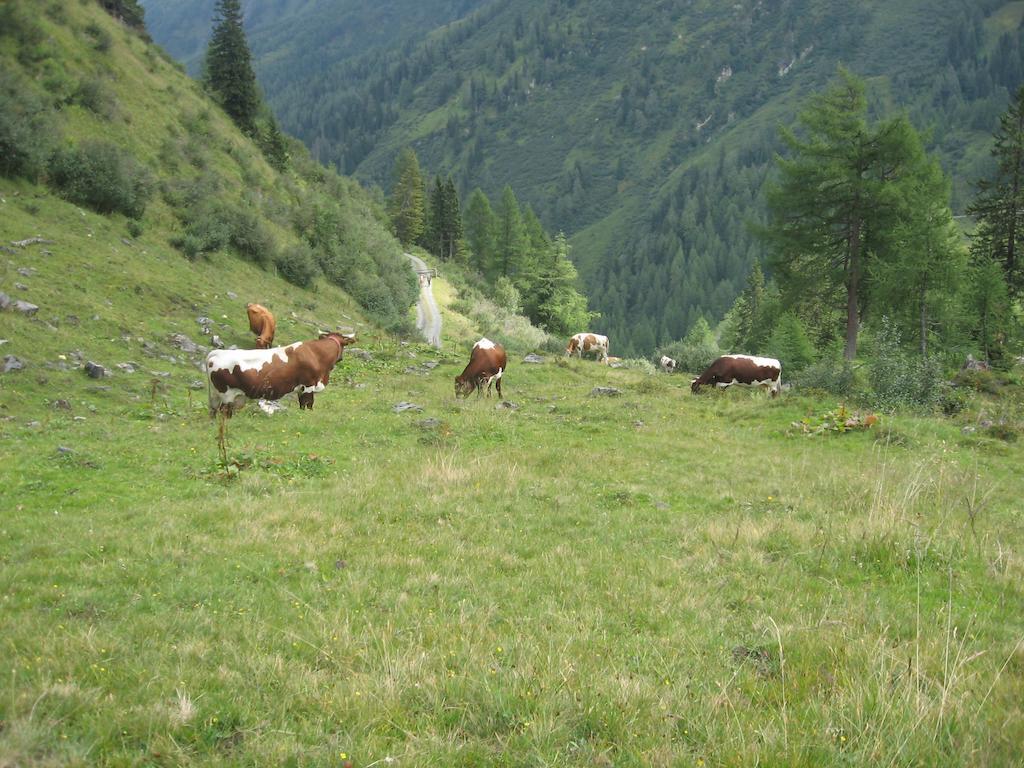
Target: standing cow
[583, 343]
[487, 363]
[742, 369]
[261, 322]
[668, 365]
[270, 374]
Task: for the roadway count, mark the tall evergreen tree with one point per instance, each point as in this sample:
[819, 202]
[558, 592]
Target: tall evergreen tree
[837, 197]
[453, 221]
[481, 226]
[511, 238]
[229, 67]
[999, 206]
[919, 280]
[405, 206]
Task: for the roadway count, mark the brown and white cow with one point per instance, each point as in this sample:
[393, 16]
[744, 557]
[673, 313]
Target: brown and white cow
[487, 363]
[270, 374]
[583, 343]
[668, 365]
[742, 369]
[261, 322]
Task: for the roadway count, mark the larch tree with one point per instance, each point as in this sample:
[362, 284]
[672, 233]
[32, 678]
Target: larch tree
[837, 198]
[228, 65]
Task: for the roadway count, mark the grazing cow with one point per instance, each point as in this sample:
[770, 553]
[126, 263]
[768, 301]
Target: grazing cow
[487, 363]
[742, 369]
[270, 374]
[668, 365]
[588, 342]
[261, 322]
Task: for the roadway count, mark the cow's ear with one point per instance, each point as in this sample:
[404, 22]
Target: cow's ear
[347, 339]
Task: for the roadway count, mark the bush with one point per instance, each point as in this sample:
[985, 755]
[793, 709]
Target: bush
[638, 364]
[26, 135]
[251, 237]
[901, 380]
[94, 95]
[208, 229]
[828, 374]
[695, 352]
[297, 265]
[103, 177]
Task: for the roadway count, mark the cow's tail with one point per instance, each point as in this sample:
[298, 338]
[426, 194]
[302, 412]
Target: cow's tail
[209, 387]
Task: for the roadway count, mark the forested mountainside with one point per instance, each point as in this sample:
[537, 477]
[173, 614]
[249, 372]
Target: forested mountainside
[646, 130]
[282, 32]
[95, 118]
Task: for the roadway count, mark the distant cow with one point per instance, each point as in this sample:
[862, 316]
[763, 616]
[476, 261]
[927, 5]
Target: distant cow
[668, 365]
[742, 369]
[261, 322]
[270, 374]
[487, 363]
[583, 343]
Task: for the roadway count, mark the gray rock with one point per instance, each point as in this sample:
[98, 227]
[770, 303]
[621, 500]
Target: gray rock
[535, 359]
[64, 449]
[506, 405]
[216, 341]
[25, 307]
[184, 343]
[362, 354]
[26, 271]
[33, 424]
[21, 286]
[232, 295]
[60, 365]
[79, 418]
[195, 384]
[11, 363]
[403, 406]
[971, 364]
[95, 370]
[60, 405]
[430, 365]
[160, 374]
[270, 407]
[3, 341]
[430, 423]
[126, 367]
[5, 300]
[605, 392]
[969, 429]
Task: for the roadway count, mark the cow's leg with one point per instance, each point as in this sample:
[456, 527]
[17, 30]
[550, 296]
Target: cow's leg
[497, 384]
[305, 400]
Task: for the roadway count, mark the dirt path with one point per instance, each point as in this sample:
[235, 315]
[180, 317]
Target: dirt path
[428, 316]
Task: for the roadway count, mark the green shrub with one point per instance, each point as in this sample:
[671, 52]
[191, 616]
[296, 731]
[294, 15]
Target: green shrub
[828, 374]
[696, 351]
[208, 229]
[638, 364]
[103, 177]
[251, 238]
[93, 94]
[26, 133]
[899, 379]
[297, 265]
[100, 37]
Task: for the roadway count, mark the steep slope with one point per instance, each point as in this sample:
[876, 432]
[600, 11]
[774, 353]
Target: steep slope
[646, 130]
[115, 127]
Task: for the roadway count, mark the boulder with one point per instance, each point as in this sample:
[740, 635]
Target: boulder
[605, 392]
[184, 343]
[403, 406]
[25, 307]
[95, 370]
[535, 359]
[5, 300]
[11, 363]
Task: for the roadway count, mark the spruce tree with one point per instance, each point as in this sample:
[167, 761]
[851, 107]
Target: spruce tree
[511, 238]
[453, 220]
[229, 67]
[481, 228]
[999, 206]
[405, 206]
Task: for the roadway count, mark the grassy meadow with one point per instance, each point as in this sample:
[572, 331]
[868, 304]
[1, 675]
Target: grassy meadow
[649, 579]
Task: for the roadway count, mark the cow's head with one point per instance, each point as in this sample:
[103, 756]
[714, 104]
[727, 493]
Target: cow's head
[573, 343]
[341, 339]
[695, 386]
[463, 387]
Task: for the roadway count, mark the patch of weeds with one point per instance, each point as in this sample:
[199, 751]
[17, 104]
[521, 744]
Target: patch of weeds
[839, 421]
[887, 434]
[305, 466]
[1005, 432]
[763, 659]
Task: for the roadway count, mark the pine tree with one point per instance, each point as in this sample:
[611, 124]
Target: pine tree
[405, 206]
[511, 239]
[229, 67]
[999, 206]
[837, 198]
[453, 221]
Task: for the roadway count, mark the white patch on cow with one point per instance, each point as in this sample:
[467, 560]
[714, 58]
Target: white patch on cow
[246, 359]
[484, 344]
[770, 362]
[318, 387]
[498, 374]
[765, 383]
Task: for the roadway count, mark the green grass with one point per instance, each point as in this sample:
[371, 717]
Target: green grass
[652, 579]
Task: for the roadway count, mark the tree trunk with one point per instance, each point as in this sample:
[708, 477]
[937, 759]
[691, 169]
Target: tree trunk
[924, 322]
[852, 287]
